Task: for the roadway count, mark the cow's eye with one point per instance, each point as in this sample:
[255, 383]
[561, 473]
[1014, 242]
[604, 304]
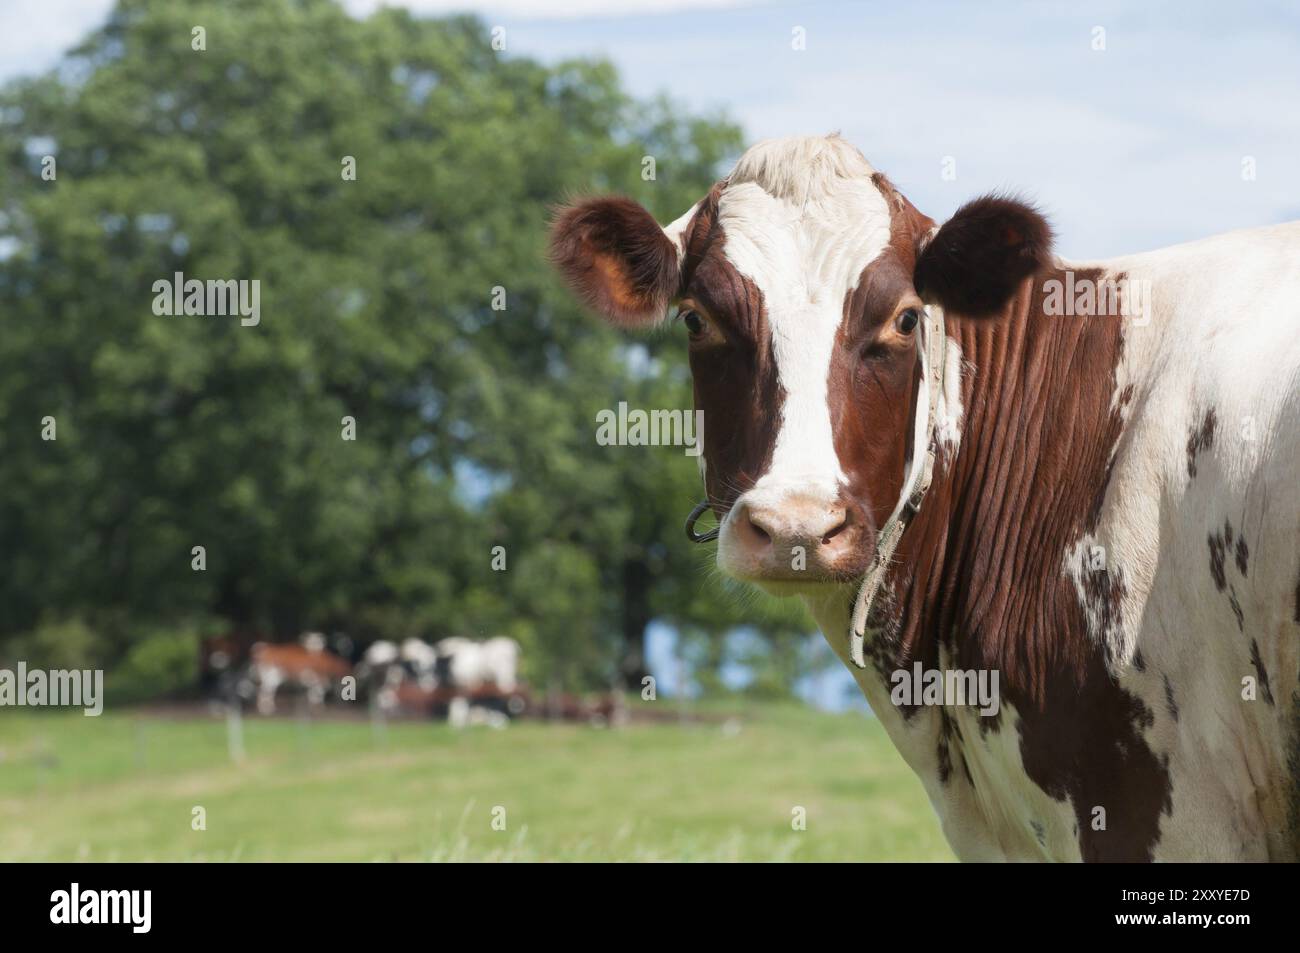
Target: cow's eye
[702, 331]
[908, 320]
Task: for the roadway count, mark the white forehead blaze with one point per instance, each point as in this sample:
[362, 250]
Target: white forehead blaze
[802, 219]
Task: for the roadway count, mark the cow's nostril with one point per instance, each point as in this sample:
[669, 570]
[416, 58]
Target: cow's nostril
[837, 529]
[759, 531]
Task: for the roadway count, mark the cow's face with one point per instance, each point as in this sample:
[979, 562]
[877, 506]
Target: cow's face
[796, 286]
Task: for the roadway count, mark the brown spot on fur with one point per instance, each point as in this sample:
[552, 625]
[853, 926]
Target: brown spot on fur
[950, 736]
[1103, 598]
[1293, 771]
[1201, 438]
[1261, 674]
[1170, 705]
[1235, 605]
[943, 754]
[1216, 561]
[1040, 832]
[737, 382]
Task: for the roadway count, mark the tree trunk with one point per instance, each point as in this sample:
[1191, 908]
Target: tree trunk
[636, 617]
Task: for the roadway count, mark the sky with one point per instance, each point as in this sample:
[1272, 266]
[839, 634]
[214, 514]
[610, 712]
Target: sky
[1135, 145]
[1130, 124]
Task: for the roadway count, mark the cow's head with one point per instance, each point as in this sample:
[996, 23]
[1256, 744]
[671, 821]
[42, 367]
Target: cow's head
[799, 282]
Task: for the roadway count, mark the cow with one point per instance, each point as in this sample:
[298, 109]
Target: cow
[308, 665]
[1072, 483]
[380, 671]
[421, 660]
[468, 665]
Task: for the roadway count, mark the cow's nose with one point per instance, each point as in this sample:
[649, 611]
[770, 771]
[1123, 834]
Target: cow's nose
[785, 526]
[793, 536]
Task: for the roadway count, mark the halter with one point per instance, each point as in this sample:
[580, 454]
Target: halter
[930, 356]
[916, 479]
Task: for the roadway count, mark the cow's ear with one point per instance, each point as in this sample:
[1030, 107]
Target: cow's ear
[974, 263]
[618, 260]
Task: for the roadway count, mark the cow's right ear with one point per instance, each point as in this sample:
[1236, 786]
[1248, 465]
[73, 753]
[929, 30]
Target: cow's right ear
[974, 263]
[618, 259]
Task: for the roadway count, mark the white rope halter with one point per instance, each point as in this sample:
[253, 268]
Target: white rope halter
[916, 478]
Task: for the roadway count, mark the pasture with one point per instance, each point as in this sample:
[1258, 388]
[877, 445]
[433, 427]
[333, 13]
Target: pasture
[124, 786]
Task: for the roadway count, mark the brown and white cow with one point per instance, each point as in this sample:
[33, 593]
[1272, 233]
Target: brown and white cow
[1113, 527]
[309, 666]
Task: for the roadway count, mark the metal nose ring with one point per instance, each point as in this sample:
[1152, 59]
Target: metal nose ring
[693, 536]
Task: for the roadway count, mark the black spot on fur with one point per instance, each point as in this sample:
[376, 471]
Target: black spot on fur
[945, 762]
[1170, 704]
[948, 730]
[1243, 555]
[1039, 832]
[1293, 771]
[944, 753]
[1216, 561]
[1103, 594]
[1260, 673]
[1139, 661]
[1201, 437]
[1235, 604]
[1143, 716]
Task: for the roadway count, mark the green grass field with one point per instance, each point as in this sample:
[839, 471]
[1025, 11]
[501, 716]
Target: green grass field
[123, 787]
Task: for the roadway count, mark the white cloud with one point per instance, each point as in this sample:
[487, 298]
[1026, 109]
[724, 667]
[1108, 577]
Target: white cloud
[35, 33]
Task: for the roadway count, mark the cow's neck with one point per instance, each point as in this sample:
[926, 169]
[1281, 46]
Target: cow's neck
[988, 579]
[1040, 423]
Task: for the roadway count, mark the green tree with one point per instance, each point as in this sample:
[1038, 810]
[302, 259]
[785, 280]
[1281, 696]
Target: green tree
[411, 298]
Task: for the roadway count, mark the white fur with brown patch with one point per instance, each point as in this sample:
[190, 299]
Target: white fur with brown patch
[1222, 339]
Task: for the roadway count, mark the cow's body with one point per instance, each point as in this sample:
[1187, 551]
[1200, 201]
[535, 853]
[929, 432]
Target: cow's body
[1198, 525]
[1114, 523]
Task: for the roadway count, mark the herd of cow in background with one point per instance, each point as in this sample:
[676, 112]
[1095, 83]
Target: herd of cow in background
[463, 681]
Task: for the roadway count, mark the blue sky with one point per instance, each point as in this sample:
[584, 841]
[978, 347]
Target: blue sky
[1131, 147]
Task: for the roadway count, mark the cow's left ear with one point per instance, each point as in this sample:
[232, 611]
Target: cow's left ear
[974, 263]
